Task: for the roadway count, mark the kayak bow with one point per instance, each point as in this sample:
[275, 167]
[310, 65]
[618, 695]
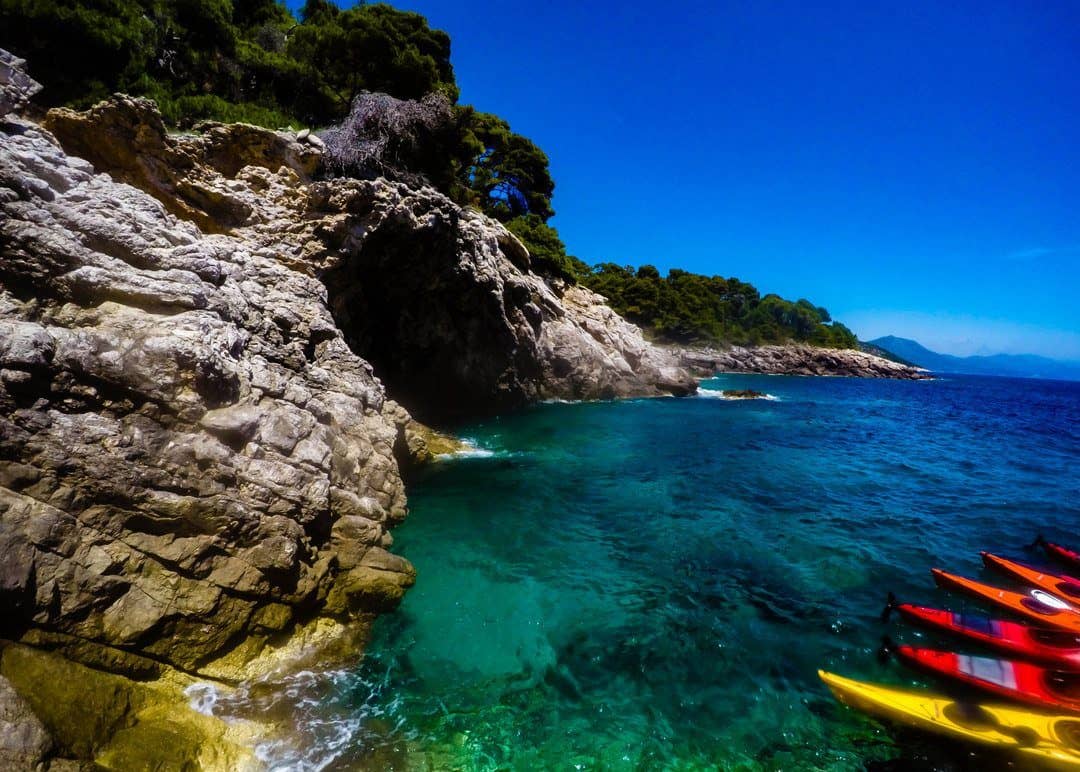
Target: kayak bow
[1063, 586]
[1035, 604]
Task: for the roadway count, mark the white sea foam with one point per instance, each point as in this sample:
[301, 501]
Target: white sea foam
[203, 697]
[719, 394]
[470, 450]
[323, 720]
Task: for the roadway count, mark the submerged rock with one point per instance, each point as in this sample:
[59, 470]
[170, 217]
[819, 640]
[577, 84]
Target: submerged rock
[744, 394]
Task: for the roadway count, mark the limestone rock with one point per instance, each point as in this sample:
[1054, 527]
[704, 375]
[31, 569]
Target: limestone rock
[176, 411]
[126, 137]
[24, 741]
[16, 87]
[795, 359]
[439, 299]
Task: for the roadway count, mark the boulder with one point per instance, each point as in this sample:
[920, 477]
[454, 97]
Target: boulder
[16, 87]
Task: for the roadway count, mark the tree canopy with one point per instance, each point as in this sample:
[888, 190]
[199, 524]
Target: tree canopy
[507, 173]
[688, 307]
[253, 61]
[227, 59]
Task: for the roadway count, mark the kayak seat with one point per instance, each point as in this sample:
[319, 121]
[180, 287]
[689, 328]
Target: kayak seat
[1068, 733]
[1064, 683]
[1039, 608]
[976, 622]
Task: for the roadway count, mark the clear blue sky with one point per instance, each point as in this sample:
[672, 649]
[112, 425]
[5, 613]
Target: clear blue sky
[914, 167]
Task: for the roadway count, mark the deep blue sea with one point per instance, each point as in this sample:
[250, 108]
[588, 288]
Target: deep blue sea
[653, 584]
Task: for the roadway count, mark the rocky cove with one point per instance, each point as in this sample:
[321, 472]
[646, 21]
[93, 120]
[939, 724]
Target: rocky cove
[213, 359]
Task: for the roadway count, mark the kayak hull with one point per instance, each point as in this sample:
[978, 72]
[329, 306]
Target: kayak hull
[1049, 739]
[1013, 680]
[1057, 648]
[1064, 587]
[1067, 556]
[1036, 604]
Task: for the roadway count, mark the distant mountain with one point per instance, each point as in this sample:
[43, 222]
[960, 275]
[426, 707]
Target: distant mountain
[1012, 365]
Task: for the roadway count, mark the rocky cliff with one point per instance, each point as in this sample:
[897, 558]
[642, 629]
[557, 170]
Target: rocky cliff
[439, 299]
[795, 359]
[199, 462]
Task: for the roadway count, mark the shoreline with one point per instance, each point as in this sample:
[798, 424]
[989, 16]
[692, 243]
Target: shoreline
[791, 359]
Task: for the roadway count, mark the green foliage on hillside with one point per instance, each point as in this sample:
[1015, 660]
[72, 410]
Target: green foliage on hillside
[215, 55]
[382, 78]
[688, 307]
[252, 61]
[546, 249]
[508, 174]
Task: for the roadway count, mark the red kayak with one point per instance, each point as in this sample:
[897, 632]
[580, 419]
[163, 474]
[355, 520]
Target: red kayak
[1056, 648]
[1065, 555]
[1034, 604]
[1064, 587]
[1020, 681]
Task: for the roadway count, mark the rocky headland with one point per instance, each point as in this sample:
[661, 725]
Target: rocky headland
[794, 359]
[200, 462]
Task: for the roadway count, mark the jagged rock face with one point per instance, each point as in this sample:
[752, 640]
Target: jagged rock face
[190, 454]
[16, 87]
[797, 359]
[127, 139]
[438, 298]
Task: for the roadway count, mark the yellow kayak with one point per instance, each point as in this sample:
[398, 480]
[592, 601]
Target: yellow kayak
[1052, 739]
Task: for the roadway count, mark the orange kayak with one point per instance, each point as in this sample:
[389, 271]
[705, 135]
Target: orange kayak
[1034, 604]
[1063, 586]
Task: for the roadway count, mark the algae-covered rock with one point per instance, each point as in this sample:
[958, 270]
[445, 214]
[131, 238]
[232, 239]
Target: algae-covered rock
[80, 706]
[119, 723]
[744, 394]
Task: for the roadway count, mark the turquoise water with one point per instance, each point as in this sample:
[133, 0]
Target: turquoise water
[653, 584]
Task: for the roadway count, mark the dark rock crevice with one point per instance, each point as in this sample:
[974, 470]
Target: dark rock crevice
[438, 337]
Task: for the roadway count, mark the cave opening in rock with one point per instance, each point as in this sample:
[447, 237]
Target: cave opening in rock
[415, 303]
